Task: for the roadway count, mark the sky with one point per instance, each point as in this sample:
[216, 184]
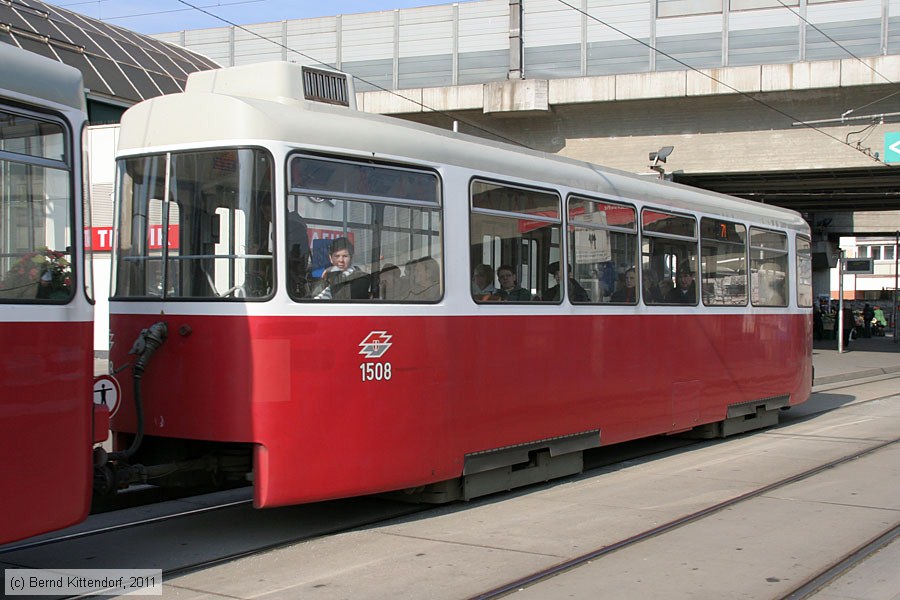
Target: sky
[161, 16]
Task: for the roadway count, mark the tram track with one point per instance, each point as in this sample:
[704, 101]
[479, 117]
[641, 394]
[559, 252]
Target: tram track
[173, 542]
[58, 545]
[66, 537]
[839, 568]
[803, 592]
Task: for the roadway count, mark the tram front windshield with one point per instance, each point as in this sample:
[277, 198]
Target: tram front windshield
[195, 225]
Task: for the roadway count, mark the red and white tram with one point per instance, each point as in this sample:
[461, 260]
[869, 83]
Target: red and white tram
[46, 327]
[313, 268]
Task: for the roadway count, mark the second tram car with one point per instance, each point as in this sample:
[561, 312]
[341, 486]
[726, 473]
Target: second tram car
[356, 304]
[46, 327]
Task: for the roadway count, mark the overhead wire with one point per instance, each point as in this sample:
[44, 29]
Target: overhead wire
[422, 105]
[848, 51]
[357, 77]
[588, 15]
[722, 83]
[870, 128]
[718, 81]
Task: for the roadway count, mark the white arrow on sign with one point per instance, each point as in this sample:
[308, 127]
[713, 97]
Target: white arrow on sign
[895, 147]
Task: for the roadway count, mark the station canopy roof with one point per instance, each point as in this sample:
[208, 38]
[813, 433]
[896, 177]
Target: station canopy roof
[875, 188]
[118, 65]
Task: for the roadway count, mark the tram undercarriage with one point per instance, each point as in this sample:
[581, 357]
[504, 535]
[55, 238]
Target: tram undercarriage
[185, 466]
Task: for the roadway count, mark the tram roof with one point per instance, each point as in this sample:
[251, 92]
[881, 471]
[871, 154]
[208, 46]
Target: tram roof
[31, 75]
[213, 118]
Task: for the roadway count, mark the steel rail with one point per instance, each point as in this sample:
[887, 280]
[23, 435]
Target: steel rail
[573, 563]
[836, 570]
[16, 547]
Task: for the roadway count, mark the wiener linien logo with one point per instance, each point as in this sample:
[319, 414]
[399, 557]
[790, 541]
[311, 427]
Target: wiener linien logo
[375, 344]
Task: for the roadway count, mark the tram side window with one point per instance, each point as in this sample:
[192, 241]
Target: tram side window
[768, 267]
[804, 272]
[360, 232]
[205, 232]
[669, 250]
[515, 234]
[36, 204]
[723, 263]
[603, 252]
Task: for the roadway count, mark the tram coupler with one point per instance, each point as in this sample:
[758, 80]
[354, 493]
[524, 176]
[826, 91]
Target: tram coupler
[113, 476]
[108, 476]
[147, 343]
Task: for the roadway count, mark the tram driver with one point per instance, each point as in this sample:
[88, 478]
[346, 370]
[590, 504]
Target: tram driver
[342, 281]
[298, 254]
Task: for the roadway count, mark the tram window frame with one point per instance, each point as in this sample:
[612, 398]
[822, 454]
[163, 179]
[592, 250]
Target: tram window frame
[30, 272]
[87, 262]
[664, 250]
[235, 259]
[604, 276]
[390, 213]
[492, 208]
[761, 243]
[717, 238]
[804, 272]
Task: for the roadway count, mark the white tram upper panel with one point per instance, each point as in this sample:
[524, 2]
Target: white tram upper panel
[26, 76]
[262, 103]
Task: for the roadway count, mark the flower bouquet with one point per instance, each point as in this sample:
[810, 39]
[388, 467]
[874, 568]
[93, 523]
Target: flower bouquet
[42, 274]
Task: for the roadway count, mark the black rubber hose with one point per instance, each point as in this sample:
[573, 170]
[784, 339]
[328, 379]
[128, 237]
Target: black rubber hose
[139, 412]
[150, 339]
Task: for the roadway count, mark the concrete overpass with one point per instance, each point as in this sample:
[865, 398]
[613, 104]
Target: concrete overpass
[738, 130]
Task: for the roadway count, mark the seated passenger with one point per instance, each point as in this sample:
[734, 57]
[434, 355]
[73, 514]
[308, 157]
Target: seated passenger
[509, 287]
[391, 283]
[651, 289]
[628, 293]
[483, 283]
[342, 281]
[576, 292]
[424, 280]
[684, 291]
[774, 287]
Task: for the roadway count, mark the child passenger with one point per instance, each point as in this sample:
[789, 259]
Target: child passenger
[342, 281]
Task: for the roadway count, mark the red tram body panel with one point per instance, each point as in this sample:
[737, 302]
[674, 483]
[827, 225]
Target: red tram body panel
[292, 385]
[45, 426]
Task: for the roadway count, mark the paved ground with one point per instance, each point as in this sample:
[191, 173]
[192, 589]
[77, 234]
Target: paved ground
[758, 549]
[863, 358]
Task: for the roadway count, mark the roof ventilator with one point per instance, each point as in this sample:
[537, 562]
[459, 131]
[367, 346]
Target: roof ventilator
[325, 86]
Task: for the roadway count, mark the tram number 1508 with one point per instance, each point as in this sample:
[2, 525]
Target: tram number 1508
[375, 371]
